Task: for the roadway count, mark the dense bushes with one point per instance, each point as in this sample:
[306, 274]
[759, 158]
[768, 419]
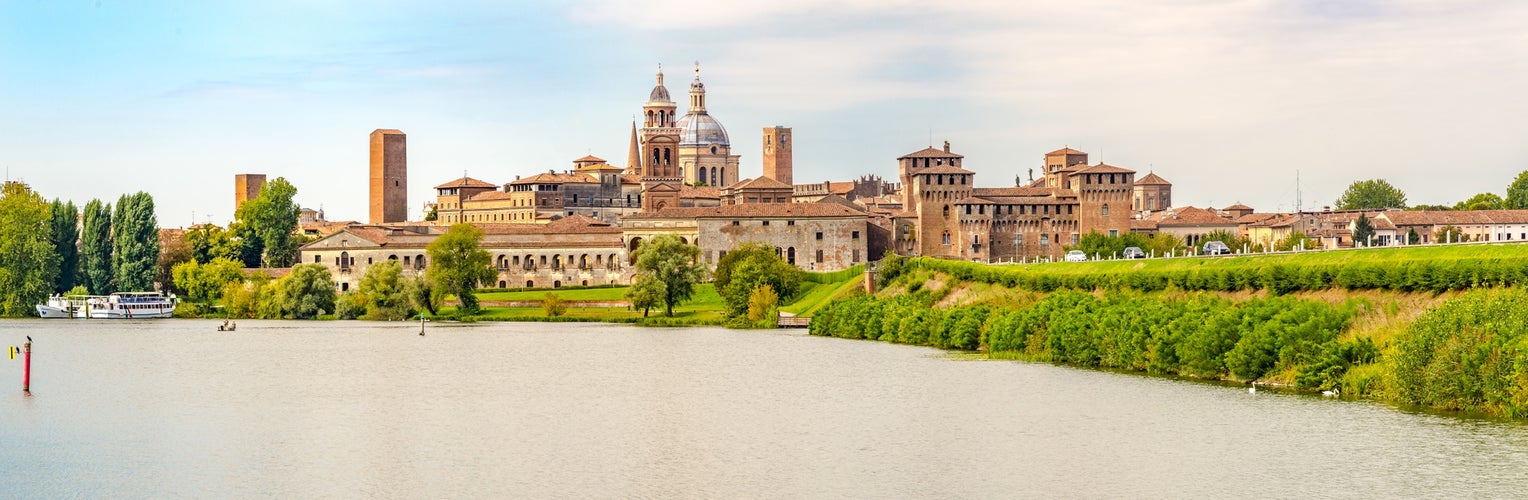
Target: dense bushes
[1279, 278]
[1195, 334]
[1470, 353]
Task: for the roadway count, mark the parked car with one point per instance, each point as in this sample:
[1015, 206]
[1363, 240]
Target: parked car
[1216, 248]
[1134, 253]
[1076, 256]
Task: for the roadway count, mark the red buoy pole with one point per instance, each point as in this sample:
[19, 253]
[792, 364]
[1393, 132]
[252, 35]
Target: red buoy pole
[26, 371]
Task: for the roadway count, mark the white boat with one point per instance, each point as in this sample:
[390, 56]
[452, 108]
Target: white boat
[121, 305]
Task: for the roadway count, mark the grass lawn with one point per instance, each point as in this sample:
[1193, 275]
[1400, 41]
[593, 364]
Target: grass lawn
[704, 308]
[1366, 255]
[815, 295]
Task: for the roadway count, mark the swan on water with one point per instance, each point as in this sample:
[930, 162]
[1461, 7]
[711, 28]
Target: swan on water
[1331, 393]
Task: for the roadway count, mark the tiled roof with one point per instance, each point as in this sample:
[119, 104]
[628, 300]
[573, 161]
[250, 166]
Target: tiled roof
[1065, 151]
[1238, 206]
[491, 195]
[590, 159]
[465, 182]
[753, 210]
[1152, 179]
[1143, 224]
[630, 179]
[930, 152]
[1255, 218]
[760, 182]
[1189, 216]
[689, 191]
[1456, 217]
[1103, 168]
[556, 178]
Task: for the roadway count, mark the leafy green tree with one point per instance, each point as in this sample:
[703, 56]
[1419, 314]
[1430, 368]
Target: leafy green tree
[1434, 208]
[247, 241]
[208, 242]
[66, 239]
[458, 264]
[206, 283]
[1373, 193]
[1412, 237]
[385, 293]
[1296, 240]
[1104, 246]
[95, 248]
[28, 259]
[674, 264]
[1164, 244]
[1517, 193]
[1482, 201]
[134, 243]
[747, 267]
[646, 292]
[272, 216]
[307, 293]
[1362, 230]
[423, 292]
[1225, 236]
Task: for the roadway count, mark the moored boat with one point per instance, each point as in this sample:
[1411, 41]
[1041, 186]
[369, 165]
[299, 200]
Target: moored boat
[120, 305]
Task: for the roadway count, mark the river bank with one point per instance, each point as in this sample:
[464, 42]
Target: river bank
[1456, 350]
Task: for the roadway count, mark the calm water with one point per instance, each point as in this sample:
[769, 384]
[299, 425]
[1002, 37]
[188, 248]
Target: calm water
[346, 409]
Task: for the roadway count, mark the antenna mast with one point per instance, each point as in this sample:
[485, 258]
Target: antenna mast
[1299, 202]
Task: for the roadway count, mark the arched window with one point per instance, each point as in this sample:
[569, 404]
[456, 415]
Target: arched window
[946, 237]
[946, 211]
[790, 255]
[1106, 210]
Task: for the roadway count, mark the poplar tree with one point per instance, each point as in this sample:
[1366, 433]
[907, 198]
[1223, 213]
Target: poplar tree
[135, 243]
[27, 259]
[95, 248]
[66, 237]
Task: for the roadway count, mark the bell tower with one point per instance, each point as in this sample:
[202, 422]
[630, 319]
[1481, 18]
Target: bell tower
[777, 154]
[661, 180]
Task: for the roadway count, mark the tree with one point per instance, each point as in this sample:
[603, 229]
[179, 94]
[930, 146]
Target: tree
[1096, 243]
[1373, 193]
[1362, 230]
[553, 305]
[1296, 240]
[646, 291]
[674, 264]
[1412, 237]
[307, 293]
[1164, 244]
[95, 248]
[66, 239]
[134, 243]
[384, 292]
[1231, 240]
[458, 264]
[28, 258]
[763, 306]
[1450, 234]
[1482, 201]
[1517, 193]
[206, 283]
[173, 250]
[272, 217]
[747, 267]
[248, 243]
[207, 242]
[423, 292]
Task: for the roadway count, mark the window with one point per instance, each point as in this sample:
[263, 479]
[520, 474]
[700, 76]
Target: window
[819, 235]
[766, 223]
[855, 235]
[946, 237]
[1075, 236]
[315, 259]
[1106, 210]
[819, 256]
[734, 223]
[1113, 233]
[946, 210]
[790, 223]
[1018, 239]
[1044, 239]
[968, 209]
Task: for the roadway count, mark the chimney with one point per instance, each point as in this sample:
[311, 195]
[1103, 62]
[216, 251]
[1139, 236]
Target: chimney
[946, 146]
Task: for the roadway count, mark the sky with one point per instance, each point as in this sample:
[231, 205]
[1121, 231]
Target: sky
[1230, 100]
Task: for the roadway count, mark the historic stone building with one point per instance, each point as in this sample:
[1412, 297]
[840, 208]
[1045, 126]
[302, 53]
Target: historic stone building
[1152, 193]
[246, 187]
[945, 215]
[389, 176]
[574, 250]
[812, 236]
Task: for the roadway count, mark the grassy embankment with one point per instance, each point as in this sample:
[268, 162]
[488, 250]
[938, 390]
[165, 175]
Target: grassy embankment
[1432, 326]
[705, 308]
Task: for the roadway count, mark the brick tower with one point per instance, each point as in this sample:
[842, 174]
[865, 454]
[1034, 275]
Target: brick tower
[389, 176]
[777, 154]
[246, 187]
[661, 178]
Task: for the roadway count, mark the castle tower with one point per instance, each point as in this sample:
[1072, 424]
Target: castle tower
[777, 154]
[933, 181]
[661, 180]
[246, 187]
[389, 176]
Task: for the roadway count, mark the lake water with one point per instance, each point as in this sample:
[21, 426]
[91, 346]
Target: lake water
[172, 408]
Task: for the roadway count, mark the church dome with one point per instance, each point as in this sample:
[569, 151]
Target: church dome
[660, 94]
[700, 129]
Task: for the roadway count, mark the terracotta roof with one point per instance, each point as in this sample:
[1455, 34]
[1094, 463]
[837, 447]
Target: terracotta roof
[689, 191]
[465, 182]
[1064, 151]
[1142, 224]
[590, 158]
[752, 210]
[760, 183]
[1456, 217]
[930, 152]
[572, 224]
[1152, 179]
[555, 178]
[1103, 168]
[1189, 216]
[630, 179]
[1238, 206]
[491, 195]
[597, 168]
[1255, 218]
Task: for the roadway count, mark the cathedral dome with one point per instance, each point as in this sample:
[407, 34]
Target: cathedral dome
[660, 94]
[700, 129]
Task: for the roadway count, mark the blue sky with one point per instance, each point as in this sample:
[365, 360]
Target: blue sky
[1225, 99]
